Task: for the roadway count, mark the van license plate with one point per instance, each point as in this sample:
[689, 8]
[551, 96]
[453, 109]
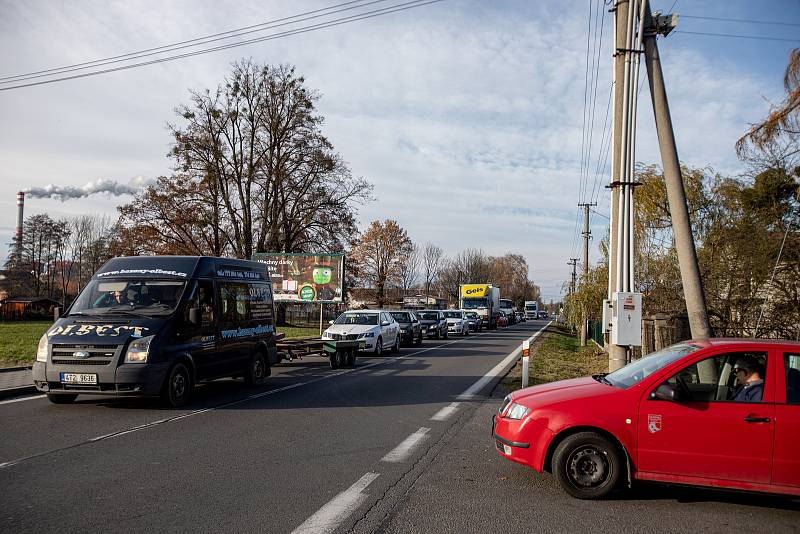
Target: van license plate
[79, 378]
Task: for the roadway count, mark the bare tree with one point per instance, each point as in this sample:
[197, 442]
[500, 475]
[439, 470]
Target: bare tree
[432, 257]
[409, 270]
[379, 256]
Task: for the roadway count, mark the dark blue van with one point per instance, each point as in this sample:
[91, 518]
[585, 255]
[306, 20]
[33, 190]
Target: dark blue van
[156, 325]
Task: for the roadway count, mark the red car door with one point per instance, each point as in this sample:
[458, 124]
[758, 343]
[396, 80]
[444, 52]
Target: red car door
[704, 434]
[786, 466]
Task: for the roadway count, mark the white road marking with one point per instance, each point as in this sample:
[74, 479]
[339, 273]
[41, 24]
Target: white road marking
[471, 392]
[329, 517]
[22, 399]
[445, 412]
[403, 451]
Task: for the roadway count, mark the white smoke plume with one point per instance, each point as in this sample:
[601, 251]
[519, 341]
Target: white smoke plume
[101, 185]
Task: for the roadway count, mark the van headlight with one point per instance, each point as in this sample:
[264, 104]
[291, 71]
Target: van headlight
[41, 350]
[517, 411]
[139, 350]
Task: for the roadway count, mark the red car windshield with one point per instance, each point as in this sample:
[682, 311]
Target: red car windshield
[635, 372]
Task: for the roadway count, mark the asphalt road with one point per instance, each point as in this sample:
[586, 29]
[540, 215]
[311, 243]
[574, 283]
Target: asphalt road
[391, 446]
[315, 449]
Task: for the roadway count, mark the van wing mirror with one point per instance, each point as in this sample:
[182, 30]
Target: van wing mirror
[194, 316]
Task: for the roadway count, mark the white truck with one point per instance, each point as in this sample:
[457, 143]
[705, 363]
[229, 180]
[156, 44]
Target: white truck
[484, 299]
[531, 309]
[507, 306]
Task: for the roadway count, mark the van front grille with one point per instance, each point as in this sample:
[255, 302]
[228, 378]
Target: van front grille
[64, 354]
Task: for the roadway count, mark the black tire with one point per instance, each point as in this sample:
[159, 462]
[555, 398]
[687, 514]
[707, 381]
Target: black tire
[438, 333]
[396, 346]
[334, 361]
[418, 342]
[62, 399]
[587, 465]
[178, 386]
[351, 358]
[257, 370]
[444, 336]
[378, 347]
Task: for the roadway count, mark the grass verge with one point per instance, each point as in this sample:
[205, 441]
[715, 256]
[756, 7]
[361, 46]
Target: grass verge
[557, 355]
[18, 340]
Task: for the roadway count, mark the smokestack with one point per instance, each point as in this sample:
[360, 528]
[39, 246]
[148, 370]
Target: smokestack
[20, 220]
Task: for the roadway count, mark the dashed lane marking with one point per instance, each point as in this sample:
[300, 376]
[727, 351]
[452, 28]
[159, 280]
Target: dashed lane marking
[329, 517]
[406, 447]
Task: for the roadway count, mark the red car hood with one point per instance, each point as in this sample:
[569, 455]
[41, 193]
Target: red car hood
[563, 390]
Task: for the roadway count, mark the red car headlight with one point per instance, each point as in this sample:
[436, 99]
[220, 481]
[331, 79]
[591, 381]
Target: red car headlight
[516, 411]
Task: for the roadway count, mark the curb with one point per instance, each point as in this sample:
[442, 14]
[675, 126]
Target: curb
[16, 392]
[12, 369]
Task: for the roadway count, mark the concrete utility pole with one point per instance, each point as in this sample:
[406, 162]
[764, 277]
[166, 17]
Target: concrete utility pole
[586, 235]
[617, 355]
[574, 263]
[681, 224]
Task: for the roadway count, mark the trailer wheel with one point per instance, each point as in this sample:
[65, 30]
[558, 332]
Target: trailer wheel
[351, 358]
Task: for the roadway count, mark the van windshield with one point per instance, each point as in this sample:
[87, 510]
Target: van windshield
[147, 297]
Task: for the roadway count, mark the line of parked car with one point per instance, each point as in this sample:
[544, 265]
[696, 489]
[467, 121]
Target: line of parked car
[383, 330]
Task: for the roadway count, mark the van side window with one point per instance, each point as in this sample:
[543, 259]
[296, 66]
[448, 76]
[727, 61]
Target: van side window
[715, 378]
[791, 362]
[234, 302]
[203, 299]
[260, 301]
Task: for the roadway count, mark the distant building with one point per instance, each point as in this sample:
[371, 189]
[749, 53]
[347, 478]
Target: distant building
[27, 307]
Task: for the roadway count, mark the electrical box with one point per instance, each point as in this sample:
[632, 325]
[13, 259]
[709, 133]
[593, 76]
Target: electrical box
[606, 316]
[626, 319]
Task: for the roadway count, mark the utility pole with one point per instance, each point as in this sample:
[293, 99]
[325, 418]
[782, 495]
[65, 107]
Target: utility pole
[617, 355]
[586, 235]
[574, 263]
[676, 195]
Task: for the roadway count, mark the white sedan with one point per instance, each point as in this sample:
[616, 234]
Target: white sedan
[457, 321]
[376, 328]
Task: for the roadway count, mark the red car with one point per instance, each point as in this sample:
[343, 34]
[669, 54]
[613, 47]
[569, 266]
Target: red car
[502, 319]
[674, 416]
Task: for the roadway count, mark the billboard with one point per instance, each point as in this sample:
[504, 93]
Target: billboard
[304, 277]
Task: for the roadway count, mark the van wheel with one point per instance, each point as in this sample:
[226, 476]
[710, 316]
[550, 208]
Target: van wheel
[61, 399]
[257, 370]
[587, 465]
[178, 387]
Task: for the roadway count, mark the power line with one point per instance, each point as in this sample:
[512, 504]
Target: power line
[328, 24]
[747, 21]
[756, 37]
[197, 41]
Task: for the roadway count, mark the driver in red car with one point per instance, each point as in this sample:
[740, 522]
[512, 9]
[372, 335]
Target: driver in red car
[750, 376]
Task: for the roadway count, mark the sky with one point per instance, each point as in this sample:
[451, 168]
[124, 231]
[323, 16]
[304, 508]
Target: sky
[466, 115]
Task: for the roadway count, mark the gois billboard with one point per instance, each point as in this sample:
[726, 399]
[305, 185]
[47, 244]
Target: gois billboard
[304, 277]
